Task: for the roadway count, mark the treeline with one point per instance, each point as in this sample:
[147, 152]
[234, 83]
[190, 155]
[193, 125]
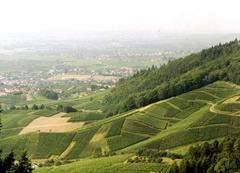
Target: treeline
[152, 156]
[26, 107]
[216, 157]
[221, 62]
[60, 108]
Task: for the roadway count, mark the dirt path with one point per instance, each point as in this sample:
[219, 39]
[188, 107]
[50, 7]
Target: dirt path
[56, 123]
[148, 106]
[232, 100]
[68, 149]
[214, 110]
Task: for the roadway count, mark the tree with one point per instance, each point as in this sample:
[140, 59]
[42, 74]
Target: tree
[8, 163]
[34, 107]
[0, 118]
[185, 167]
[41, 106]
[176, 77]
[26, 107]
[1, 162]
[174, 168]
[60, 108]
[236, 149]
[66, 109]
[13, 107]
[69, 109]
[24, 165]
[49, 94]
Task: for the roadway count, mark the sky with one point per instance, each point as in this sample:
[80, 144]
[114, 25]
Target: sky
[79, 16]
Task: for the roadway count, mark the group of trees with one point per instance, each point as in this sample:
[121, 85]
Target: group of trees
[178, 76]
[36, 107]
[9, 164]
[66, 109]
[215, 157]
[50, 94]
[26, 107]
[152, 156]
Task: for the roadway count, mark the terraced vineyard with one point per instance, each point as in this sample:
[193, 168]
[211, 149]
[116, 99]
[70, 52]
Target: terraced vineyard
[203, 114]
[106, 165]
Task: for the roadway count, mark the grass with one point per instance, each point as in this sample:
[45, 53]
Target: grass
[82, 140]
[230, 107]
[105, 165]
[174, 123]
[139, 128]
[124, 140]
[45, 112]
[85, 116]
[197, 95]
[14, 121]
[162, 110]
[38, 145]
[116, 127]
[149, 120]
[13, 99]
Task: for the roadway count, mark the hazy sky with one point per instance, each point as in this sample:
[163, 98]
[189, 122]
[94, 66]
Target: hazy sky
[172, 16]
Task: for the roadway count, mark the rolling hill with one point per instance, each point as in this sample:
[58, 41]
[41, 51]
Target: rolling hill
[183, 103]
[200, 115]
[173, 124]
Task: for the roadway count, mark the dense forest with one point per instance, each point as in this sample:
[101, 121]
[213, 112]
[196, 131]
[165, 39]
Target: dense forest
[221, 62]
[215, 157]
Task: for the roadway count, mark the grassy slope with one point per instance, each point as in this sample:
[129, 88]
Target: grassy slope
[186, 118]
[200, 125]
[105, 165]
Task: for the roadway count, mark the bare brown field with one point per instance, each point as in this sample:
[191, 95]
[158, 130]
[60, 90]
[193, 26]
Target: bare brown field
[56, 123]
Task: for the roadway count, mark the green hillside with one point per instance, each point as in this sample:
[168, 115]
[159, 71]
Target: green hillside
[166, 109]
[173, 124]
[105, 165]
[221, 62]
[200, 115]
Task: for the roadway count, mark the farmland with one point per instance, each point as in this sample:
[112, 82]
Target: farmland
[186, 117]
[105, 165]
[203, 114]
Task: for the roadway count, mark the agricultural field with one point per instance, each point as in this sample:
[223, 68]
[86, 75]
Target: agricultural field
[193, 117]
[105, 165]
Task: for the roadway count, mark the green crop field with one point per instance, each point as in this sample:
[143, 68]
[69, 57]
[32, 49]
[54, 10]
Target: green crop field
[139, 128]
[105, 165]
[45, 112]
[174, 124]
[85, 116]
[149, 120]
